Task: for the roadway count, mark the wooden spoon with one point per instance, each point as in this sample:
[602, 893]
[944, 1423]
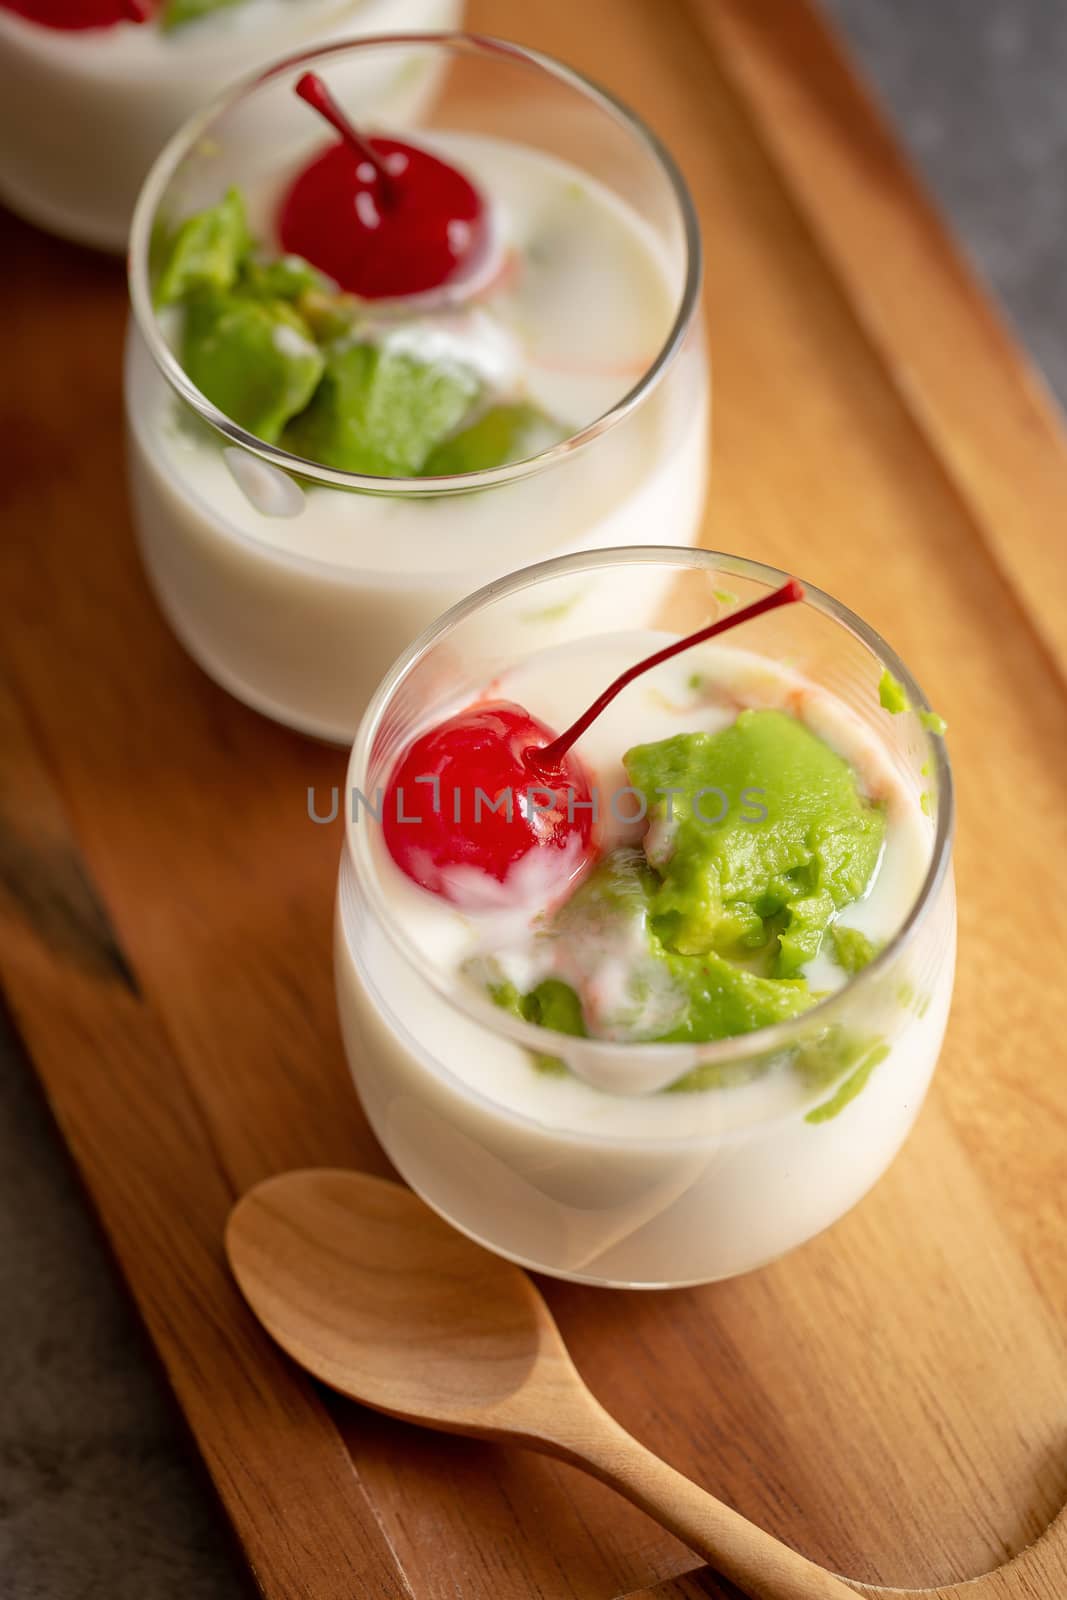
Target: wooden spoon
[372, 1292]
[366, 1287]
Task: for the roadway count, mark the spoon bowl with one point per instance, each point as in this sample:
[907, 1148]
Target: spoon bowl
[367, 1288]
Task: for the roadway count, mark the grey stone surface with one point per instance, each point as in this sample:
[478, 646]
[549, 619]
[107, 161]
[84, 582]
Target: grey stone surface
[99, 1495]
[100, 1498]
[976, 90]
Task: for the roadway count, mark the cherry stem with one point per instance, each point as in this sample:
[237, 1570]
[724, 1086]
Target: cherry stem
[546, 761]
[311, 88]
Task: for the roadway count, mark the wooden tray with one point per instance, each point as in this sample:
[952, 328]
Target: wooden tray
[893, 1398]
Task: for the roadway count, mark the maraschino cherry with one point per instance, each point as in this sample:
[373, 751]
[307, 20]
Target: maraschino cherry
[452, 843]
[382, 218]
[463, 812]
[73, 15]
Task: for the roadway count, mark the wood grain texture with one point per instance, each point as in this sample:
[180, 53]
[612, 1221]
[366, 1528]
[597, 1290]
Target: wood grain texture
[118, 1094]
[892, 1400]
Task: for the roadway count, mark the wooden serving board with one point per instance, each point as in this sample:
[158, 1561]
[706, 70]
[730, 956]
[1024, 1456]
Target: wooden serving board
[892, 1399]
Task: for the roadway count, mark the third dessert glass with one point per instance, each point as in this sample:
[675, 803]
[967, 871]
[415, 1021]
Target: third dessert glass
[407, 442]
[93, 89]
[697, 1033]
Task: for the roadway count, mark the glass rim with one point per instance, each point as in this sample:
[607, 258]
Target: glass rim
[766, 1041]
[195, 129]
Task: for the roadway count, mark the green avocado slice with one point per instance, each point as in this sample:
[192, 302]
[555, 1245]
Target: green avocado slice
[500, 435]
[768, 835]
[381, 412]
[254, 359]
[207, 252]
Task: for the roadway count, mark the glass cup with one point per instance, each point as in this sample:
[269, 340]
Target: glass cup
[85, 112]
[794, 1123]
[295, 585]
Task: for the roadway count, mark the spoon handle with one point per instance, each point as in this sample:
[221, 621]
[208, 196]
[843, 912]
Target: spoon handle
[755, 1561]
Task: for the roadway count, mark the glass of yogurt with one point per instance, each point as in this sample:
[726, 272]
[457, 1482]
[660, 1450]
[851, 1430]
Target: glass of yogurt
[93, 89]
[349, 408]
[697, 1032]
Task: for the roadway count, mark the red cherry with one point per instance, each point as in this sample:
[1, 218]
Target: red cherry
[455, 848]
[532, 844]
[380, 217]
[72, 15]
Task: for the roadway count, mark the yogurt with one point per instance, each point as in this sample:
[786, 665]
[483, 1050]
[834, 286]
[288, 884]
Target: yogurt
[84, 113]
[571, 1171]
[295, 596]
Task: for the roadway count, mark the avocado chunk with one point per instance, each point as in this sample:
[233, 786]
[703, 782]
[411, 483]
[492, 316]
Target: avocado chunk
[254, 359]
[759, 835]
[550, 1004]
[500, 435]
[732, 881]
[381, 412]
[614, 978]
[892, 695]
[672, 998]
[279, 348]
[284, 278]
[851, 949]
[207, 252]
